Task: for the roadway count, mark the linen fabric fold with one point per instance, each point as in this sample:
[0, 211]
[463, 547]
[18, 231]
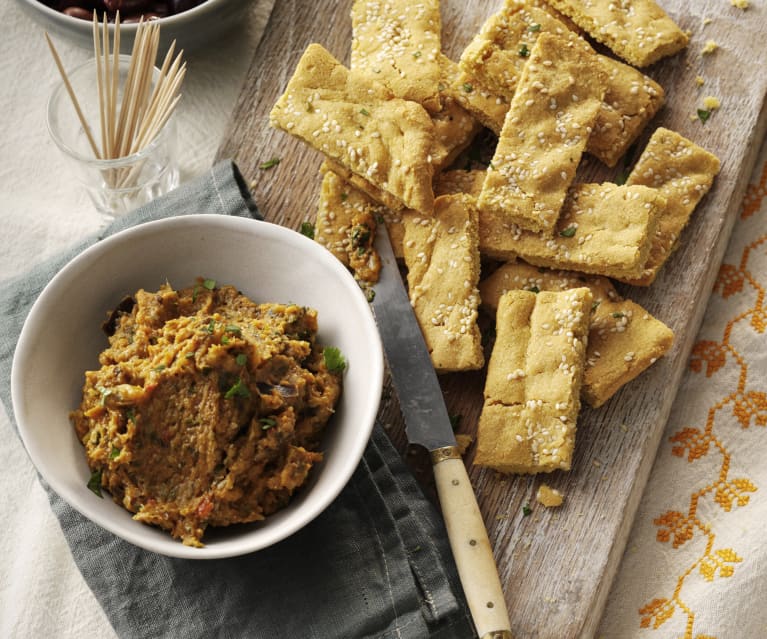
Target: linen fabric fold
[375, 564]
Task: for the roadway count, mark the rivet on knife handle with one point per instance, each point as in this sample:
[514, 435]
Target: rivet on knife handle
[471, 547]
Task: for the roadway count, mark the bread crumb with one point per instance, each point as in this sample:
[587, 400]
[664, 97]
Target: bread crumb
[711, 103]
[463, 442]
[699, 81]
[548, 497]
[740, 4]
[709, 47]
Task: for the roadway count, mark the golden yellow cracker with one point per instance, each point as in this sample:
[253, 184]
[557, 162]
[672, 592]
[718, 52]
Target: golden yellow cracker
[603, 229]
[638, 31]
[631, 100]
[532, 390]
[682, 172]
[368, 188]
[496, 57]
[520, 276]
[544, 134]
[442, 257]
[459, 181]
[624, 339]
[487, 107]
[357, 123]
[454, 130]
[396, 228]
[398, 42]
[346, 221]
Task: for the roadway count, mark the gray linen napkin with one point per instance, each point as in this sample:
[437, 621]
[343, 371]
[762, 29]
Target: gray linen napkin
[375, 564]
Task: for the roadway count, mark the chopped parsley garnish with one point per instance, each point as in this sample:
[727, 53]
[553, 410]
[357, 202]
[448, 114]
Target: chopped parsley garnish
[233, 329]
[131, 414]
[94, 483]
[238, 389]
[269, 164]
[307, 229]
[211, 326]
[160, 367]
[467, 87]
[209, 284]
[618, 315]
[595, 305]
[568, 232]
[189, 355]
[704, 115]
[417, 54]
[344, 197]
[267, 422]
[524, 51]
[526, 510]
[534, 289]
[241, 359]
[334, 360]
[364, 111]
[534, 27]
[115, 452]
[371, 295]
[360, 236]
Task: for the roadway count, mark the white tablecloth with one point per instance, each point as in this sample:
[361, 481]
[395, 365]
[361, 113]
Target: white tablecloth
[695, 565]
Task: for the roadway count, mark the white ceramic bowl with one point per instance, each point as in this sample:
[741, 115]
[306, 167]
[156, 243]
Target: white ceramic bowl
[191, 29]
[62, 337]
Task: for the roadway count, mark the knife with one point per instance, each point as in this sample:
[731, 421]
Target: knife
[428, 424]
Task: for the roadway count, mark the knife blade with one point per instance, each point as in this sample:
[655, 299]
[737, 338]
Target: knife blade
[427, 424]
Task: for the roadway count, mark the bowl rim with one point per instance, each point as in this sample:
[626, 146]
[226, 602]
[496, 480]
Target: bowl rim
[126, 28]
[310, 510]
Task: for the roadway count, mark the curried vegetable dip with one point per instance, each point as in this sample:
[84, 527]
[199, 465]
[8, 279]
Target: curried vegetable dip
[208, 408]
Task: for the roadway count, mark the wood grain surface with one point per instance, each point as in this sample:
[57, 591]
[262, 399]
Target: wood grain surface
[556, 565]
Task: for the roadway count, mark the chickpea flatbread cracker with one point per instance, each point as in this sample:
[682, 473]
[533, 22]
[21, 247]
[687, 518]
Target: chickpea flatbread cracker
[532, 390]
[356, 122]
[545, 132]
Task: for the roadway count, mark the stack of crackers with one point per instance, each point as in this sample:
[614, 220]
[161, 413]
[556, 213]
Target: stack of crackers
[519, 239]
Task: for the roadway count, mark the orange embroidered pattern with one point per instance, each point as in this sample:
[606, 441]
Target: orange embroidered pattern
[749, 407]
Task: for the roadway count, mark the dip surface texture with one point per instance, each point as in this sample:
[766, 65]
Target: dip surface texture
[208, 408]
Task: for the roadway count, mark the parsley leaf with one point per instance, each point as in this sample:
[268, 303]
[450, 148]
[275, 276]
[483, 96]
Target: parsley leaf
[526, 510]
[704, 115]
[267, 422]
[94, 483]
[269, 164]
[334, 360]
[524, 51]
[237, 390]
[241, 359]
[307, 229]
[568, 232]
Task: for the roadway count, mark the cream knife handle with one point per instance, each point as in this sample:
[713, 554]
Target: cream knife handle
[471, 546]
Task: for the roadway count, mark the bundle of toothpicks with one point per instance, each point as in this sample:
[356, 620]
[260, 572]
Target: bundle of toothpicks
[144, 108]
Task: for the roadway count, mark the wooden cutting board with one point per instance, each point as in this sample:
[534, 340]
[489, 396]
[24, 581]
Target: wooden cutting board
[556, 565]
